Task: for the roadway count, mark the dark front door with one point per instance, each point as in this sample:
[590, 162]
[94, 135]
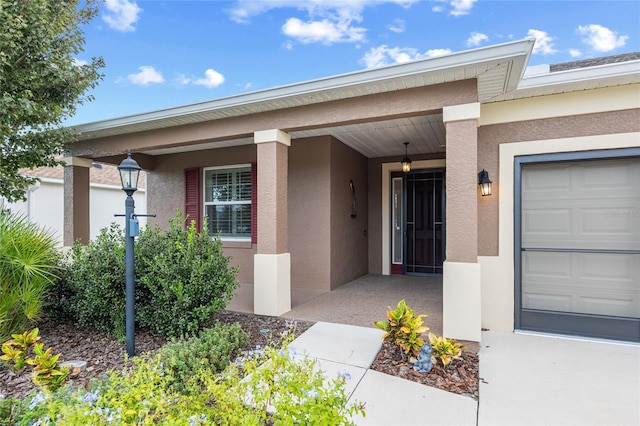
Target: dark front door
[424, 222]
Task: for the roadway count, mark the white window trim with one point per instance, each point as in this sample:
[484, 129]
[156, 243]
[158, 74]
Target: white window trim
[221, 203]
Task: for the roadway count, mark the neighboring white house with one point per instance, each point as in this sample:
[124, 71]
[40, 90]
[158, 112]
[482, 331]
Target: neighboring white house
[45, 200]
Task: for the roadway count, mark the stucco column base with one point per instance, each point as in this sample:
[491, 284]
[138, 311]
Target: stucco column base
[461, 303]
[271, 284]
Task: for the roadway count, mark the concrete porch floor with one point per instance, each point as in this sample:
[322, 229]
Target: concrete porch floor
[359, 302]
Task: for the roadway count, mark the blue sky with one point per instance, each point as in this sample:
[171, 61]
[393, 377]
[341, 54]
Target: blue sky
[161, 54]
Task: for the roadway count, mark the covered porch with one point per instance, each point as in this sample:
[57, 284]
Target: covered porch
[361, 301]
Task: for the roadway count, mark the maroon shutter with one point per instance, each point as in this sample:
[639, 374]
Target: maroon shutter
[254, 203]
[192, 195]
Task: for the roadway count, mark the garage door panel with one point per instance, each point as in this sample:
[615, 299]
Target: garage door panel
[604, 224]
[547, 180]
[605, 176]
[623, 270]
[546, 222]
[610, 307]
[545, 266]
[547, 301]
[582, 283]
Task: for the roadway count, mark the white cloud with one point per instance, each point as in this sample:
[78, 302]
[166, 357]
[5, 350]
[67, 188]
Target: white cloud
[182, 80]
[288, 45]
[79, 62]
[575, 53]
[435, 52]
[601, 39]
[475, 39]
[383, 55]
[246, 9]
[458, 7]
[212, 78]
[397, 26]
[147, 75]
[326, 21]
[121, 15]
[461, 7]
[544, 42]
[323, 31]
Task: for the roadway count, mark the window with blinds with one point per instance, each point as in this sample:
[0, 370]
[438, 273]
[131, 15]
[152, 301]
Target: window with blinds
[227, 202]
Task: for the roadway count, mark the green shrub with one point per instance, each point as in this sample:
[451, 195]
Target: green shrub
[95, 278]
[185, 281]
[212, 349]
[182, 280]
[11, 410]
[28, 262]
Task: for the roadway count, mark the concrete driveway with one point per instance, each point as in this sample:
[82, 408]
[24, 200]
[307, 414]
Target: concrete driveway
[543, 380]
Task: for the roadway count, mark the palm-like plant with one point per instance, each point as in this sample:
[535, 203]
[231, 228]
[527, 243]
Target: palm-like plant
[28, 263]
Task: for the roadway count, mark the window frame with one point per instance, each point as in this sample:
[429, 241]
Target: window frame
[205, 204]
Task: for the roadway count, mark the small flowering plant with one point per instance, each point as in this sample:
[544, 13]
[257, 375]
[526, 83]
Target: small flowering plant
[280, 386]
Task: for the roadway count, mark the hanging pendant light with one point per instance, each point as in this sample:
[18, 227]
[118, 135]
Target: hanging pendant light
[406, 161]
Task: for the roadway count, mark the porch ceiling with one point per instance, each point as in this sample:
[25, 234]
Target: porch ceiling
[425, 134]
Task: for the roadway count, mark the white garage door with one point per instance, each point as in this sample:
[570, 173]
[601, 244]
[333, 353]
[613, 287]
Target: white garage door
[580, 248]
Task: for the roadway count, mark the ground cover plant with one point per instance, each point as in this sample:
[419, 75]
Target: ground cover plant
[264, 385]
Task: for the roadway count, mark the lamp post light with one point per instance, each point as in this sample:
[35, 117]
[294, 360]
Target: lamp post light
[129, 173]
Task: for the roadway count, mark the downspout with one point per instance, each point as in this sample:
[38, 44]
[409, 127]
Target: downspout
[33, 188]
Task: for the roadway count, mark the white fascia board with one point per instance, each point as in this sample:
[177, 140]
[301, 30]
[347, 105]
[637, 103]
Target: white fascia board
[598, 72]
[454, 60]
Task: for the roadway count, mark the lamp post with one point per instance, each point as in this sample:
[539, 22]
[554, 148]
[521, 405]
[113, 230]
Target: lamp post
[129, 172]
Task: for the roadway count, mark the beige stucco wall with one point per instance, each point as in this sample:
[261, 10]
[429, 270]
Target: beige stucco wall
[349, 235]
[490, 138]
[309, 214]
[327, 247]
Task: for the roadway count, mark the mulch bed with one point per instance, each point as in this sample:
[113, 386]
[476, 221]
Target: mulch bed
[460, 376]
[103, 353]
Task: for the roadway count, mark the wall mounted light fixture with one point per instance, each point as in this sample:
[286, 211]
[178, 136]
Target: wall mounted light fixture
[484, 183]
[406, 161]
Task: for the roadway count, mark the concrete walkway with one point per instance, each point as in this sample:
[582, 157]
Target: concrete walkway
[525, 380]
[388, 400]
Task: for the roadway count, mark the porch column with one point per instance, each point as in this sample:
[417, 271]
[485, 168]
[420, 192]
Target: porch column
[76, 200]
[461, 271]
[272, 263]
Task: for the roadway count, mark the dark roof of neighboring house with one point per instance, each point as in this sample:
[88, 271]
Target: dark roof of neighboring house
[107, 175]
[584, 63]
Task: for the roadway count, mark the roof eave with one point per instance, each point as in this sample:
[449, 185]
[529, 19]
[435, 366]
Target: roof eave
[600, 72]
[505, 51]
